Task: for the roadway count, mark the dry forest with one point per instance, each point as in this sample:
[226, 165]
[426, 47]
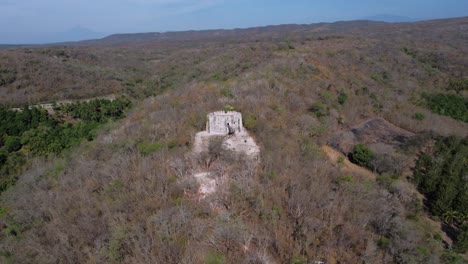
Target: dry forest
[362, 130]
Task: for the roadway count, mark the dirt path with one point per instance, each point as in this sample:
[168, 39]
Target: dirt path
[49, 106]
[334, 155]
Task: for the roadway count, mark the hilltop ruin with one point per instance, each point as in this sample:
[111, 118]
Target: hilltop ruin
[224, 123]
[227, 126]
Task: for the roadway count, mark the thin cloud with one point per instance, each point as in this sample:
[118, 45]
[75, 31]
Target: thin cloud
[6, 2]
[171, 7]
[193, 6]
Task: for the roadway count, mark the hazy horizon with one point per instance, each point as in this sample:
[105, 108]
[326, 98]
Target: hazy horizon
[47, 21]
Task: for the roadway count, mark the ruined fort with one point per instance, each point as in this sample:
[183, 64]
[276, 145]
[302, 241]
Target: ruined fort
[224, 122]
[228, 125]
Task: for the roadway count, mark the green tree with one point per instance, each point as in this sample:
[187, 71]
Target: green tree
[342, 98]
[455, 106]
[461, 242]
[441, 177]
[419, 116]
[3, 157]
[362, 155]
[319, 109]
[458, 85]
[450, 217]
[12, 143]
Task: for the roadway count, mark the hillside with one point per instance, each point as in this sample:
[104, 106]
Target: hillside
[124, 192]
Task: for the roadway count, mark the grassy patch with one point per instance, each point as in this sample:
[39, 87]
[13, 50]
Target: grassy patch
[319, 109]
[419, 116]
[146, 148]
[226, 92]
[215, 258]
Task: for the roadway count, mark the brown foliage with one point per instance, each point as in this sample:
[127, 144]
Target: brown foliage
[111, 204]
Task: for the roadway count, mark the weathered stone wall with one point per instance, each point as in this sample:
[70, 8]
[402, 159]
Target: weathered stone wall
[239, 142]
[220, 122]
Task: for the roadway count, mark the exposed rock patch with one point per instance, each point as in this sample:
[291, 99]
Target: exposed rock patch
[383, 138]
[377, 133]
[207, 183]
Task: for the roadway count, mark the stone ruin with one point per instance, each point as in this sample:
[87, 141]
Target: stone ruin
[229, 124]
[224, 123]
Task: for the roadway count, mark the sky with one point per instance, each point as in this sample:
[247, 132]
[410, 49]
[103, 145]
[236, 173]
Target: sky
[40, 21]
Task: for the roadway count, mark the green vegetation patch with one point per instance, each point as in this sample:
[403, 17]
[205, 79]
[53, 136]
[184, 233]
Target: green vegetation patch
[342, 97]
[458, 85]
[99, 110]
[383, 243]
[451, 105]
[298, 260]
[362, 155]
[319, 109]
[215, 258]
[226, 92]
[250, 122]
[33, 130]
[380, 76]
[7, 76]
[419, 116]
[430, 60]
[146, 148]
[441, 177]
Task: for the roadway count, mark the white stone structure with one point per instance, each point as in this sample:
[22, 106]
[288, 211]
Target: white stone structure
[224, 123]
[228, 125]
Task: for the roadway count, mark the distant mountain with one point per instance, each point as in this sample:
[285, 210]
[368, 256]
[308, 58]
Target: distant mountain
[252, 34]
[80, 36]
[77, 33]
[390, 18]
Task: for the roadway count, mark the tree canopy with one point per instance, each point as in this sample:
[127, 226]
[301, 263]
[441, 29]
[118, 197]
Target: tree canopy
[441, 177]
[33, 130]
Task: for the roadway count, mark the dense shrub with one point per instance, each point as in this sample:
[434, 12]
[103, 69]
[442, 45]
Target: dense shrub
[458, 85]
[342, 97]
[96, 110]
[319, 109]
[419, 116]
[452, 105]
[215, 258]
[3, 156]
[380, 77]
[10, 169]
[45, 139]
[441, 177]
[33, 130]
[461, 243]
[225, 91]
[362, 155]
[146, 148]
[250, 122]
[12, 143]
[7, 76]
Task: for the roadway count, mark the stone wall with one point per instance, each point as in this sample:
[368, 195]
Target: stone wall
[220, 122]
